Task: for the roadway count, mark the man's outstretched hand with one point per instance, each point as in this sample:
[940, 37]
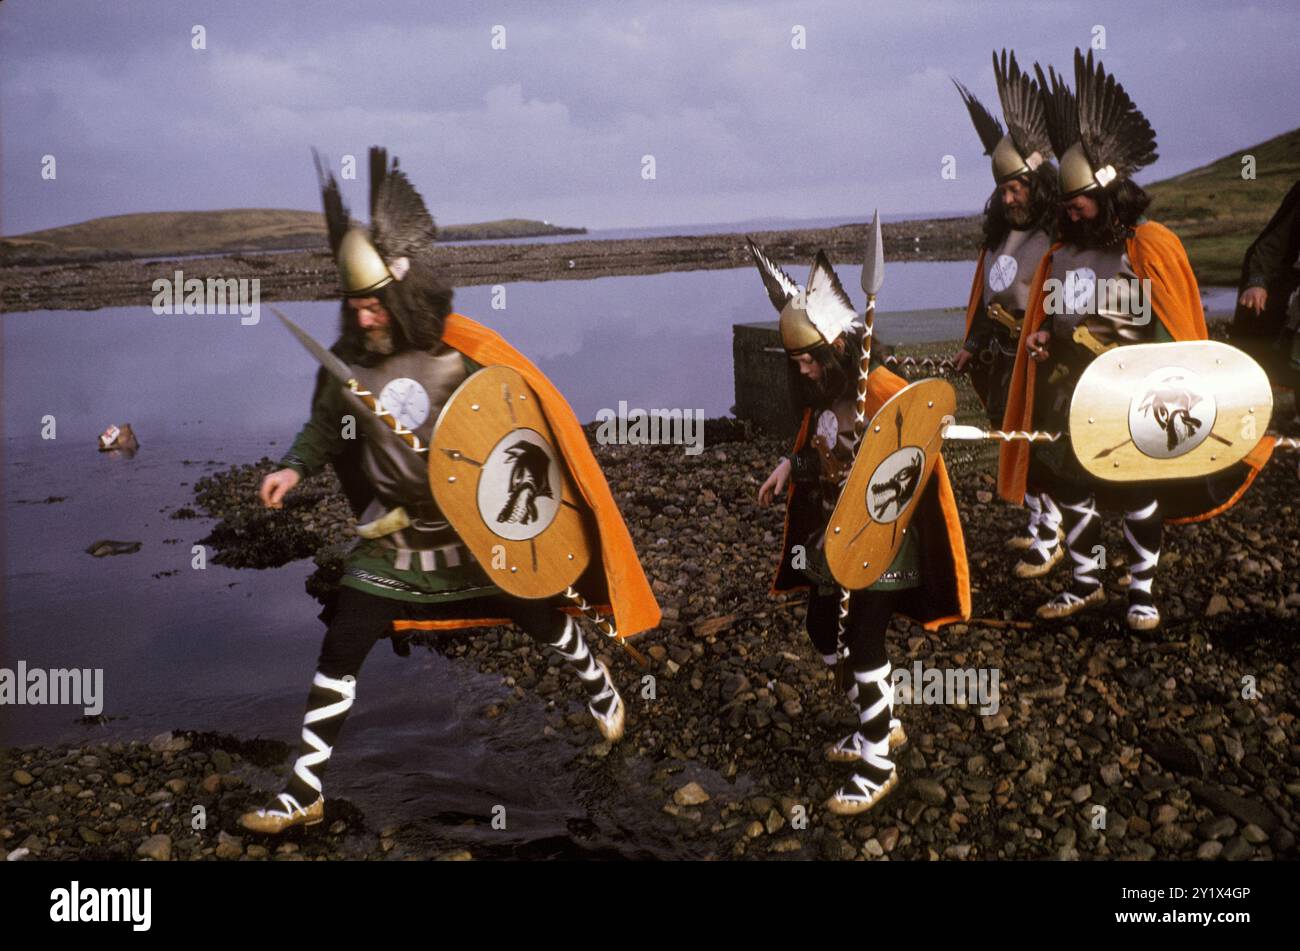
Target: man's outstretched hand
[276, 486]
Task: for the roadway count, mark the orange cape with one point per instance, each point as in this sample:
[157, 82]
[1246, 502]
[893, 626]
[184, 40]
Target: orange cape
[1156, 254]
[944, 595]
[630, 598]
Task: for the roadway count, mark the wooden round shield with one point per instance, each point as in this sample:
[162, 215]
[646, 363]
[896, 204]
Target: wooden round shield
[1168, 411]
[894, 462]
[501, 481]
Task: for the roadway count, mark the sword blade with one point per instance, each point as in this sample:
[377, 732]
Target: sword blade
[331, 363]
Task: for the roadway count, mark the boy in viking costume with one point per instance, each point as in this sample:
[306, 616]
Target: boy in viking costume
[1113, 279]
[410, 569]
[1019, 218]
[928, 580]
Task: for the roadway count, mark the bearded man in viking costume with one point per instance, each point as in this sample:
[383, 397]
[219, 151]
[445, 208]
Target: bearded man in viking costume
[928, 580]
[1114, 278]
[410, 569]
[1019, 219]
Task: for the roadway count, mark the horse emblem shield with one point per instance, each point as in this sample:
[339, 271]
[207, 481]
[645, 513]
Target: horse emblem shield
[1168, 411]
[500, 480]
[894, 462]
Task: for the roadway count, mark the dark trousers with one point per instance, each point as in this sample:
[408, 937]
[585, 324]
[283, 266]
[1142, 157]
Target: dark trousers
[864, 628]
[359, 620]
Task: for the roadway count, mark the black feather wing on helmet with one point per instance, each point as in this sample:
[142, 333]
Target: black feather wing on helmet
[1022, 106]
[780, 285]
[986, 125]
[400, 224]
[1060, 113]
[337, 220]
[1111, 128]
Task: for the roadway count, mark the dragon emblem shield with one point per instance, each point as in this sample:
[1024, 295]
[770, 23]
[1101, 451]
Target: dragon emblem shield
[1172, 413]
[893, 484]
[516, 498]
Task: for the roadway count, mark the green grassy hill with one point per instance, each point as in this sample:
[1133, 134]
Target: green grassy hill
[1217, 213]
[171, 233]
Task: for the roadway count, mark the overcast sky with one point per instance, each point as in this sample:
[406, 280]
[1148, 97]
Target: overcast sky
[554, 126]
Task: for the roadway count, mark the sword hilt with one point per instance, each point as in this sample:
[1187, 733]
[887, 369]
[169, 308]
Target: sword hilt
[603, 624]
[389, 419]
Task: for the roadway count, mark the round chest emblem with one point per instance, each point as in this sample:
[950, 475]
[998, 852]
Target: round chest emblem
[828, 428]
[1002, 274]
[1172, 413]
[1080, 288]
[406, 400]
[892, 486]
[520, 486]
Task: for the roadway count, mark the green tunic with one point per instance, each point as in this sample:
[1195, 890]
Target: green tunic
[375, 566]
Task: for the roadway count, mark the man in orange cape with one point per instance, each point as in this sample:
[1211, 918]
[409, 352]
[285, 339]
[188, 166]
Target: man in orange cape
[1019, 218]
[410, 570]
[1113, 279]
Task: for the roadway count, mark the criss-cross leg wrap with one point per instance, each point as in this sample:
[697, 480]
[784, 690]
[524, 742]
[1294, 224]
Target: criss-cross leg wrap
[1082, 525]
[573, 648]
[346, 689]
[873, 693]
[1143, 531]
[1034, 506]
[1044, 534]
[1049, 521]
[327, 707]
[1083, 531]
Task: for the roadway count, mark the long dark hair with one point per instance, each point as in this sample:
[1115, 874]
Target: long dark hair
[839, 374]
[1119, 208]
[1044, 198]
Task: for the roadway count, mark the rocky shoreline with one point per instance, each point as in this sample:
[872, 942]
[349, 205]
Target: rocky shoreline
[310, 275]
[1106, 744]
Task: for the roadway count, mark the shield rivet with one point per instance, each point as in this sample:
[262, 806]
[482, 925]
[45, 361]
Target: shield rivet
[877, 429]
[1092, 419]
[1121, 366]
[837, 529]
[513, 569]
[474, 407]
[451, 478]
[1115, 463]
[930, 404]
[866, 564]
[570, 556]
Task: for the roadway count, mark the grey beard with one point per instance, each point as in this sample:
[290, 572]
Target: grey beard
[1018, 217]
[380, 342]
